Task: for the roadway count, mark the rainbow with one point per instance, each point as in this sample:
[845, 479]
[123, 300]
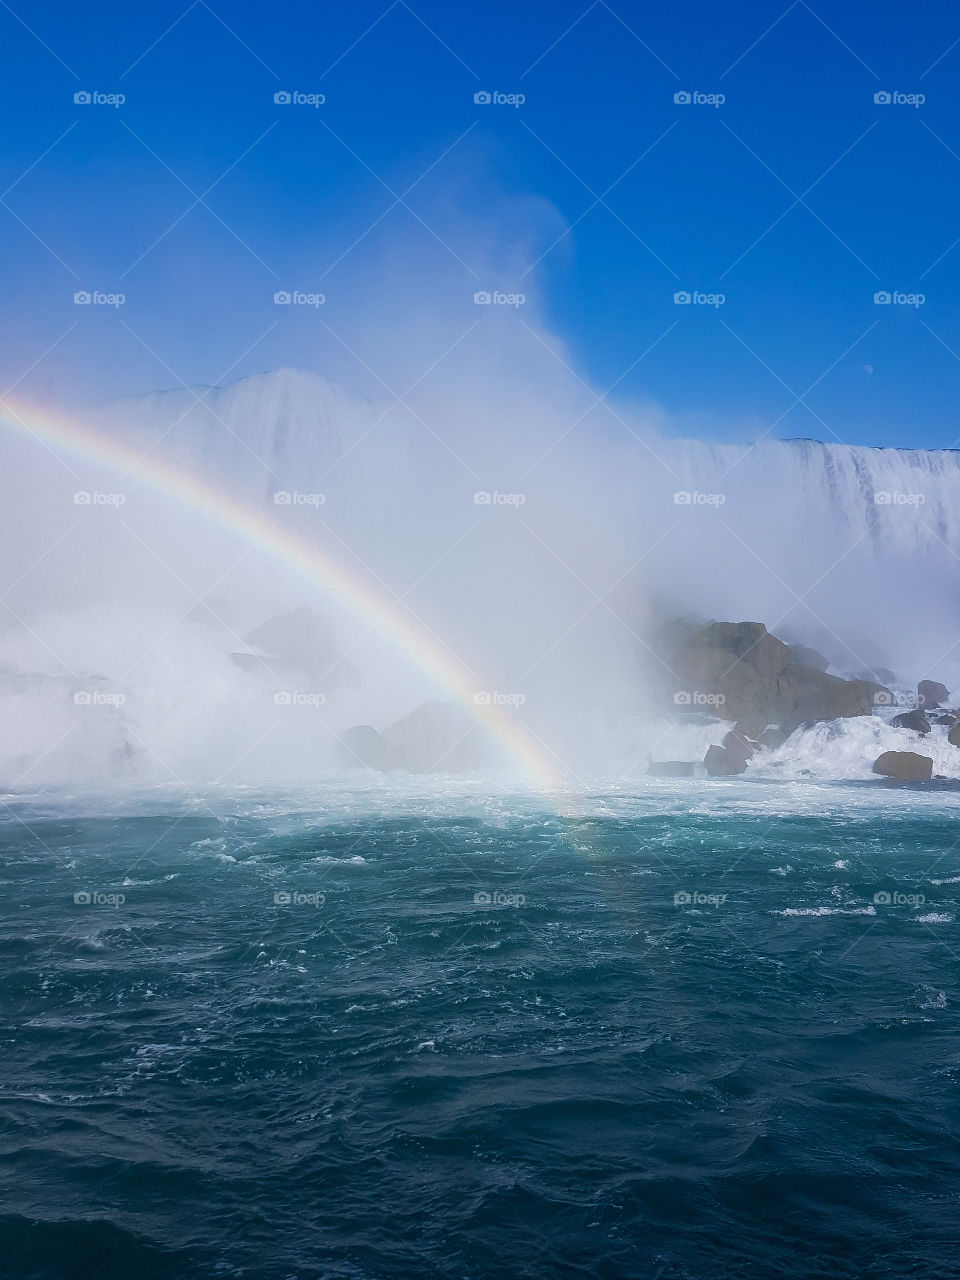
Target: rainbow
[56, 430]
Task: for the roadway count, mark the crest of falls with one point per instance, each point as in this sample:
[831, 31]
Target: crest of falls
[537, 541]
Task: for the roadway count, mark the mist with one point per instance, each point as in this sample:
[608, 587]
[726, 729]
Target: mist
[448, 454]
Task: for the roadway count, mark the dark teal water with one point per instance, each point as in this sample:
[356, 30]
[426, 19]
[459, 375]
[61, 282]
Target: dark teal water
[402, 1082]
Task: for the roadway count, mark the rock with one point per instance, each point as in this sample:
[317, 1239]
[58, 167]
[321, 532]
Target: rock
[739, 746]
[803, 656]
[912, 720]
[905, 766]
[753, 679]
[805, 694]
[363, 747]
[931, 693]
[435, 737]
[722, 763]
[750, 727]
[953, 737]
[673, 769]
[773, 737]
[878, 675]
[946, 719]
[299, 645]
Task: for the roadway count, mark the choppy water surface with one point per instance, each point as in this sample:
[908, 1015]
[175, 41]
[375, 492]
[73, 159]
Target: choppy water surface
[392, 1034]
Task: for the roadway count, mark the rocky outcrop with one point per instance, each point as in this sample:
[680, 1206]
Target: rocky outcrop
[739, 745]
[803, 656]
[931, 693]
[745, 674]
[904, 766]
[364, 747]
[722, 763]
[435, 737]
[953, 737]
[915, 720]
[673, 769]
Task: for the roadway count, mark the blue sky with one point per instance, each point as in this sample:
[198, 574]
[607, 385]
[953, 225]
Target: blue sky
[797, 198]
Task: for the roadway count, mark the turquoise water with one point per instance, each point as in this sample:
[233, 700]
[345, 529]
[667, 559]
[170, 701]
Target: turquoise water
[384, 1078]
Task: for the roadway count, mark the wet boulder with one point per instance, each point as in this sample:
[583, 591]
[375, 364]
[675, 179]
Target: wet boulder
[738, 745]
[673, 769]
[904, 766]
[722, 763]
[953, 737]
[915, 720]
[773, 737]
[931, 693]
[362, 747]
